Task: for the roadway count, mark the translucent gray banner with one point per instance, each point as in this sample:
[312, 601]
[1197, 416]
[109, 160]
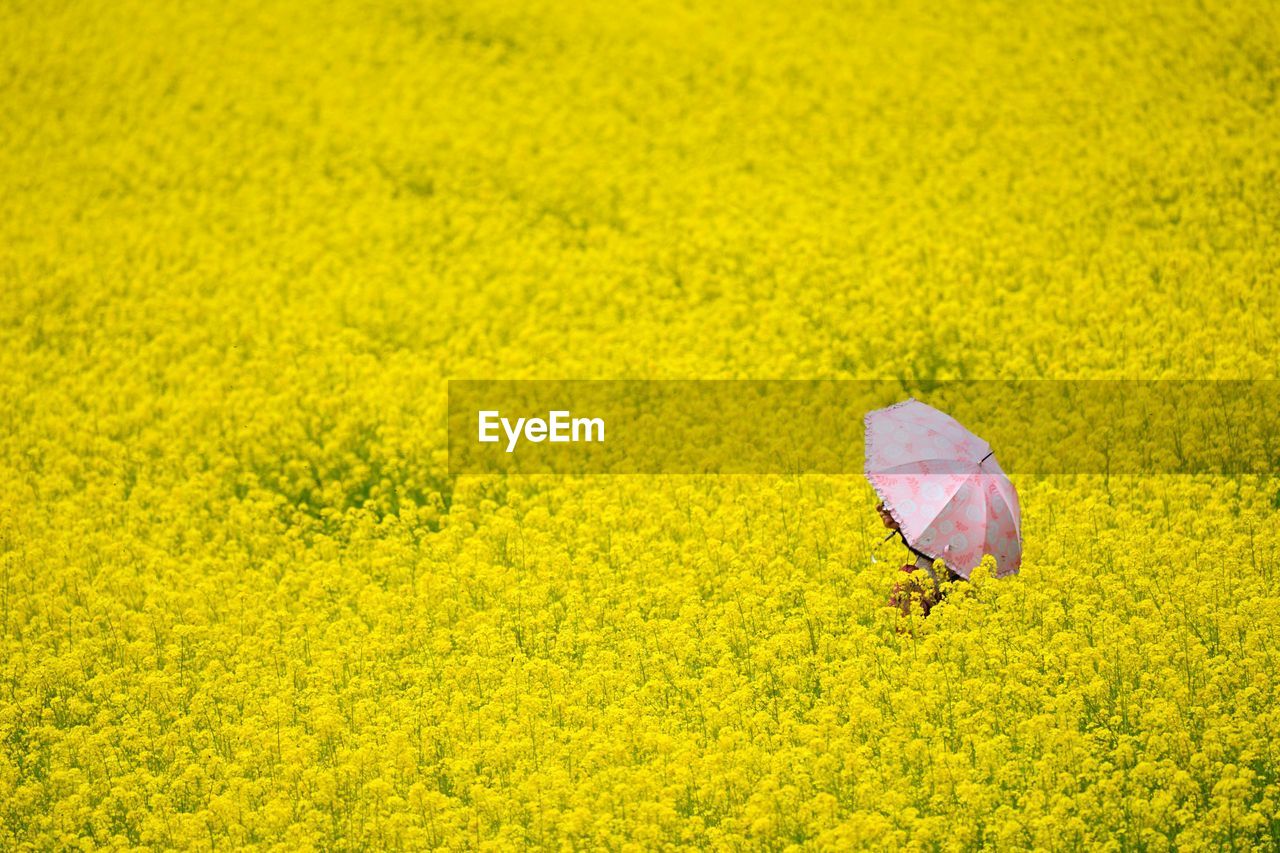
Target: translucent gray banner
[816, 426]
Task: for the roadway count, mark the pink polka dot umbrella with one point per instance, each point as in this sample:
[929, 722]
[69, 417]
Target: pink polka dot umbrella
[944, 488]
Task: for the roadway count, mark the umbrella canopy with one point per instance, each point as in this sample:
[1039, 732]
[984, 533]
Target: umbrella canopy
[943, 486]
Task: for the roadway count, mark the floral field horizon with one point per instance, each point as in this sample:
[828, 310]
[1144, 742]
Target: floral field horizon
[244, 605]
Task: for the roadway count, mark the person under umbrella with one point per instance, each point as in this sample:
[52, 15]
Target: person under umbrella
[928, 594]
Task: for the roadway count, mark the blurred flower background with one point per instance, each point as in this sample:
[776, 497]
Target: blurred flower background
[245, 244]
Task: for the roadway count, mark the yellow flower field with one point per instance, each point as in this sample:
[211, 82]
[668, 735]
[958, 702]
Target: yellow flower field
[245, 244]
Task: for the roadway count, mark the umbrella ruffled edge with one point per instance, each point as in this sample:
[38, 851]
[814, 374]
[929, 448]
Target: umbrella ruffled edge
[866, 471]
[894, 514]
